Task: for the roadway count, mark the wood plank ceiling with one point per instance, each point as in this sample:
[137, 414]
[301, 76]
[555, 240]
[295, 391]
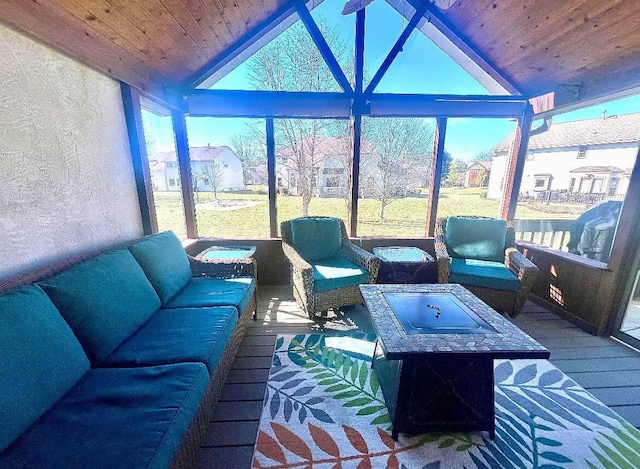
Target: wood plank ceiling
[585, 48]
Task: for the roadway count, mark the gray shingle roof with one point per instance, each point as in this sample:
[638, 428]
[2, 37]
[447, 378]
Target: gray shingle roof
[614, 129]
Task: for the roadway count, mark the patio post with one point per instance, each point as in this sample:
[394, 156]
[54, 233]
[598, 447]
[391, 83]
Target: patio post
[515, 165]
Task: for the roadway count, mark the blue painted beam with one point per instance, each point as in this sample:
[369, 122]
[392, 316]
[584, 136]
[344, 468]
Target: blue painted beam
[396, 49]
[139, 157]
[415, 105]
[182, 150]
[323, 47]
[357, 110]
[284, 104]
[271, 178]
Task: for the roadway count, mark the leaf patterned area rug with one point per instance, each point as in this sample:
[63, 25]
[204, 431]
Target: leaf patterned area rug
[324, 408]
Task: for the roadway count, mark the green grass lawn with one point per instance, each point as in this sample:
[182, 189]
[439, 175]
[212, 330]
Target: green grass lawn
[403, 217]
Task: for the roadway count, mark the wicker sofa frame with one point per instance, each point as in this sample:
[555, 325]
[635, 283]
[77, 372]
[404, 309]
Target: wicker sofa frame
[308, 299]
[501, 300]
[187, 453]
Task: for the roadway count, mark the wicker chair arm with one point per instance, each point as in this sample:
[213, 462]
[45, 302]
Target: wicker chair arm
[301, 275]
[363, 258]
[526, 271]
[442, 255]
[520, 265]
[223, 268]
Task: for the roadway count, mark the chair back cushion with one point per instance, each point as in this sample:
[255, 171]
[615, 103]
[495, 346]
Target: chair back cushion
[41, 359]
[164, 262]
[476, 238]
[316, 238]
[104, 300]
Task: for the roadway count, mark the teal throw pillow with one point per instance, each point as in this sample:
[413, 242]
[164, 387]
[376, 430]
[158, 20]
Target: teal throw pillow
[41, 359]
[165, 263]
[104, 300]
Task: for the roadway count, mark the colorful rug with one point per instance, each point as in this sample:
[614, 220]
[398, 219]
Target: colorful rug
[323, 408]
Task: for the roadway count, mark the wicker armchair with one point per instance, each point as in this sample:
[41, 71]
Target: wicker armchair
[508, 290]
[309, 278]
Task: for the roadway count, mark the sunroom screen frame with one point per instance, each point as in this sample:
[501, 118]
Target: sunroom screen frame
[352, 103]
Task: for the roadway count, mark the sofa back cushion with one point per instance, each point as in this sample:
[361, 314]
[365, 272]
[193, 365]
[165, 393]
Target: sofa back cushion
[476, 238]
[41, 359]
[165, 263]
[104, 300]
[316, 238]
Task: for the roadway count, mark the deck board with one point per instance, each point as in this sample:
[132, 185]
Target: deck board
[603, 366]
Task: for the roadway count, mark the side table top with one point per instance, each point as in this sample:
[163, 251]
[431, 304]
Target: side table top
[227, 252]
[502, 339]
[405, 254]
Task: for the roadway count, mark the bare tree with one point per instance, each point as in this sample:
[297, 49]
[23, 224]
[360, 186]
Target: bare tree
[211, 172]
[484, 155]
[292, 62]
[399, 147]
[246, 147]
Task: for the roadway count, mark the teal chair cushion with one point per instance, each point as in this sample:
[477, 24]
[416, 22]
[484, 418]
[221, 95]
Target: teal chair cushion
[40, 359]
[202, 292]
[115, 417]
[178, 336]
[316, 238]
[165, 263]
[485, 274]
[104, 300]
[329, 274]
[476, 238]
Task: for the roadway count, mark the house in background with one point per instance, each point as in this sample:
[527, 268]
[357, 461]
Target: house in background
[477, 174]
[208, 166]
[591, 156]
[330, 158]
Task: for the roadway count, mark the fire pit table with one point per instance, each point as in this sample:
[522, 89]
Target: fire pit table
[434, 356]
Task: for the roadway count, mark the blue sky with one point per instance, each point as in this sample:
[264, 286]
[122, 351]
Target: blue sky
[420, 68]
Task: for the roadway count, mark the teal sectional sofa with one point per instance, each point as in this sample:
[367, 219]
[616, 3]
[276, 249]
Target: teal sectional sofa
[118, 360]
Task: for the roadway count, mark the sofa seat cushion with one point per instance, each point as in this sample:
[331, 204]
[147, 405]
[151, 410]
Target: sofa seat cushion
[165, 263]
[316, 238]
[40, 359]
[104, 300]
[476, 238]
[114, 418]
[208, 291]
[483, 274]
[329, 274]
[178, 336]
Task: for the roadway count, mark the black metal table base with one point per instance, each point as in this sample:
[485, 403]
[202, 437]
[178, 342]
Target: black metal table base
[438, 393]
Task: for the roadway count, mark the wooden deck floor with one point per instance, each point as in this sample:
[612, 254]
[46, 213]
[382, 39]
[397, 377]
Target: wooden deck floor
[605, 367]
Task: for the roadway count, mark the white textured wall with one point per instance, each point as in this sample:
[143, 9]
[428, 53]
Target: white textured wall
[66, 177]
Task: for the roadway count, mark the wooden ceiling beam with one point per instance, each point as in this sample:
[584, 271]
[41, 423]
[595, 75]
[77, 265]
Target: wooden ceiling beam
[594, 88]
[574, 31]
[438, 20]
[241, 45]
[55, 26]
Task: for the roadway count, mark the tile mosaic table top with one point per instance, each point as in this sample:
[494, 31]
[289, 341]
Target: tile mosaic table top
[501, 339]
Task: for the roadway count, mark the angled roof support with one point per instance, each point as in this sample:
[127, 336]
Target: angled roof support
[434, 17]
[396, 49]
[323, 47]
[219, 66]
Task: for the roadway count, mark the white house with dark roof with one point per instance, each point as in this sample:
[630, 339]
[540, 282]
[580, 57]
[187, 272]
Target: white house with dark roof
[592, 156]
[206, 163]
